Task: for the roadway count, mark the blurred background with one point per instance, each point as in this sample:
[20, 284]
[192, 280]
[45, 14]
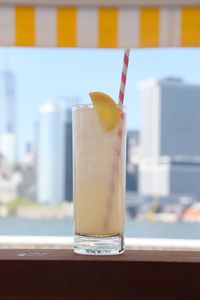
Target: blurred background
[38, 88]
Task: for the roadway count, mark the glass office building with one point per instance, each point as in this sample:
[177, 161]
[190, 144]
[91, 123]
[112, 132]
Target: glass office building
[50, 154]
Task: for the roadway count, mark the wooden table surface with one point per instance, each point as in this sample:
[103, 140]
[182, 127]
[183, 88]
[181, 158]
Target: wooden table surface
[61, 274]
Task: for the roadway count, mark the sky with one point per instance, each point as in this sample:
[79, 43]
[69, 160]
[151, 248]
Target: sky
[43, 74]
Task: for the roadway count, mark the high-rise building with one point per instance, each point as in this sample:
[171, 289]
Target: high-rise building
[131, 160]
[27, 168]
[170, 144]
[170, 118]
[68, 103]
[7, 91]
[8, 126]
[8, 147]
[68, 178]
[168, 176]
[50, 154]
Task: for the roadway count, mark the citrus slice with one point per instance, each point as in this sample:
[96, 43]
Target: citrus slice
[107, 110]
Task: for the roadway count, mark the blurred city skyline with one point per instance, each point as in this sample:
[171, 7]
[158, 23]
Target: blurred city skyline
[53, 74]
[162, 154]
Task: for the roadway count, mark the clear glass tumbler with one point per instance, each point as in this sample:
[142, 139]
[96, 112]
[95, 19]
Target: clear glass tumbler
[99, 158]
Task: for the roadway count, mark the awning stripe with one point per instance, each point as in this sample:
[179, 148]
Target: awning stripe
[46, 27]
[108, 23]
[190, 26]
[87, 32]
[66, 27]
[25, 26]
[149, 27]
[109, 27]
[128, 34]
[7, 26]
[165, 25]
[175, 29]
[170, 26]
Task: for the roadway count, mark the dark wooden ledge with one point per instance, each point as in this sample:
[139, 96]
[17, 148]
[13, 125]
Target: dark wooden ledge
[60, 274]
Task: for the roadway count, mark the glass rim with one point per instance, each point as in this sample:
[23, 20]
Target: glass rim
[90, 106]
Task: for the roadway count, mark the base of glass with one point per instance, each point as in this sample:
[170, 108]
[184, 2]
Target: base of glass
[98, 245]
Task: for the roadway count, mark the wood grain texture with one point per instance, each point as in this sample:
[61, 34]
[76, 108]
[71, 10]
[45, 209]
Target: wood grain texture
[60, 274]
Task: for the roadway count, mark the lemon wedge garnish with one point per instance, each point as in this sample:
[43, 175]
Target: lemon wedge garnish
[107, 110]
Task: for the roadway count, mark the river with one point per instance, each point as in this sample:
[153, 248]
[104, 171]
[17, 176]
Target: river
[64, 227]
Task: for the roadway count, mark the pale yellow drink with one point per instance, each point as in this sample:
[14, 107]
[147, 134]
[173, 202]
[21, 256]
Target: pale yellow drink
[99, 175]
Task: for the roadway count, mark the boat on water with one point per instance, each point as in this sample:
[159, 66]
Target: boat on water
[192, 214]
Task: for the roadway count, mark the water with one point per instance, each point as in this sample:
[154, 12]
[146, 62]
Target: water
[64, 227]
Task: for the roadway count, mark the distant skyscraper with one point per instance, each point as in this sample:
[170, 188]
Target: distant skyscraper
[131, 161]
[8, 147]
[50, 156]
[68, 178]
[170, 144]
[9, 98]
[170, 119]
[27, 168]
[67, 104]
[8, 137]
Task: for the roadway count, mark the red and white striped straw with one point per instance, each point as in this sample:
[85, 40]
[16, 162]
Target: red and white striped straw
[123, 76]
[117, 153]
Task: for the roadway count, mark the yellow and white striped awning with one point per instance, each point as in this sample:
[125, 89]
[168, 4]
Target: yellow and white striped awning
[107, 24]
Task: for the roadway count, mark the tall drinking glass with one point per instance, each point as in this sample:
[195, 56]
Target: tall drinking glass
[99, 183]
